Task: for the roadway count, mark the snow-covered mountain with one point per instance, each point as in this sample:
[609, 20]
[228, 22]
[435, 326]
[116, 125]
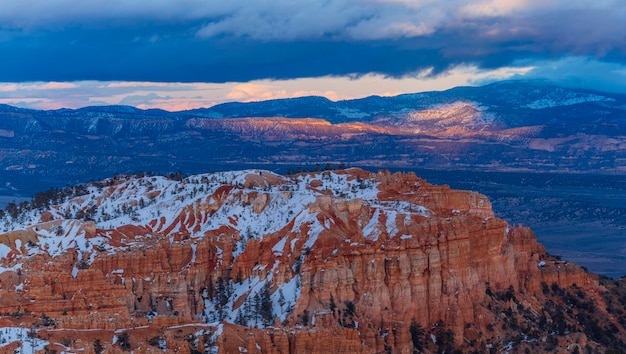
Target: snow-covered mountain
[251, 260]
[97, 221]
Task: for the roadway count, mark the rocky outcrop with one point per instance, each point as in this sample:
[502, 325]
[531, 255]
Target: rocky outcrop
[342, 261]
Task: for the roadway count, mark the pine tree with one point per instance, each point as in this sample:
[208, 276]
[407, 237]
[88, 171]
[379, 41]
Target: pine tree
[417, 335]
[247, 307]
[124, 341]
[332, 306]
[281, 298]
[222, 297]
[257, 307]
[267, 311]
[12, 210]
[239, 277]
[240, 319]
[97, 347]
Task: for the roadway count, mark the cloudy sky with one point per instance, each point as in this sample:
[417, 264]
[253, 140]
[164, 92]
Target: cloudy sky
[181, 54]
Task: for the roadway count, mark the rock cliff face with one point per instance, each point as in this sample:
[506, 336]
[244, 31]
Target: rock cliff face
[250, 261]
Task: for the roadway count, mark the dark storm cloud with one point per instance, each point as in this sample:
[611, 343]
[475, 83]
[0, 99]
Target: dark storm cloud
[580, 73]
[192, 40]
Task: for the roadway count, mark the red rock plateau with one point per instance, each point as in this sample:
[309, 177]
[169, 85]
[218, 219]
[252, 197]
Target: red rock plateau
[250, 261]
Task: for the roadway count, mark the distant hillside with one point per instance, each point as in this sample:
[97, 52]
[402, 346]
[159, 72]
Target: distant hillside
[507, 126]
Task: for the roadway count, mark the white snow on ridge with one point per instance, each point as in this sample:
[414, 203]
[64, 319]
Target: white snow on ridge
[548, 103]
[200, 205]
[166, 206]
[350, 112]
[341, 185]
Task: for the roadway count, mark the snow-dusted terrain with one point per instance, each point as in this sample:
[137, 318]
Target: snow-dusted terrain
[563, 97]
[251, 204]
[27, 342]
[244, 261]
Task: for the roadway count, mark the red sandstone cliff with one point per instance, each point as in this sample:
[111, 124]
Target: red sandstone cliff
[345, 261]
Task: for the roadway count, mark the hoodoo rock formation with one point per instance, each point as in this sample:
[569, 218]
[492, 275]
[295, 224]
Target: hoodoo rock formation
[251, 261]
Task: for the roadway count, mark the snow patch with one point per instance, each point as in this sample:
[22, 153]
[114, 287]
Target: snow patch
[371, 231]
[556, 102]
[29, 343]
[279, 246]
[4, 250]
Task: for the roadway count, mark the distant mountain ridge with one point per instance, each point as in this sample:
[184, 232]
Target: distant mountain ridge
[519, 95]
[506, 126]
[499, 96]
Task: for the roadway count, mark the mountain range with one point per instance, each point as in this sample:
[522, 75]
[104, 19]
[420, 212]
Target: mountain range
[506, 126]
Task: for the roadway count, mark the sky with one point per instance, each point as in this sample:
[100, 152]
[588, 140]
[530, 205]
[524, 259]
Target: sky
[183, 54]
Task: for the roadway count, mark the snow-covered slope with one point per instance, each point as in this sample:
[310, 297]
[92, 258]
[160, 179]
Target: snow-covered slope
[157, 203]
[247, 205]
[187, 263]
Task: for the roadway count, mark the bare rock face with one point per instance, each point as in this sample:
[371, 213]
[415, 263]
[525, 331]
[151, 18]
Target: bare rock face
[345, 261]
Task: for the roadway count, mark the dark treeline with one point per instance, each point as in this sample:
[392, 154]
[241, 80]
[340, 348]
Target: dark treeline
[316, 168]
[53, 196]
[43, 200]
